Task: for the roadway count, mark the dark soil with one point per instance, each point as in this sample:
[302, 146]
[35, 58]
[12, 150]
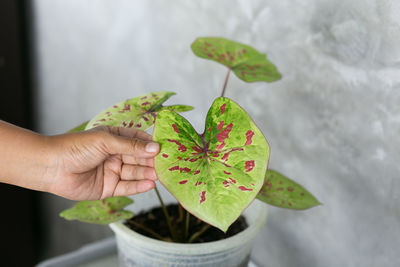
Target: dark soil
[154, 221]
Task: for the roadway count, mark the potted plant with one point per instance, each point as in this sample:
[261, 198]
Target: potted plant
[214, 175]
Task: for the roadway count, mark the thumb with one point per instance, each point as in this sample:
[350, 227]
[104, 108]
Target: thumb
[130, 146]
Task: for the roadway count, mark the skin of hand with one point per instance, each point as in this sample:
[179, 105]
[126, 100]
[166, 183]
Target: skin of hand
[89, 165]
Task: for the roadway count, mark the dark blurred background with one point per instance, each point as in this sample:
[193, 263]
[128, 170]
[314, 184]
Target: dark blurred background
[19, 221]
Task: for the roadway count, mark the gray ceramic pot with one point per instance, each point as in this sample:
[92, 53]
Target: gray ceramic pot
[138, 250]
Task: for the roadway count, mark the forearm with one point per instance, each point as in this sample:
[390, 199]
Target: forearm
[24, 157]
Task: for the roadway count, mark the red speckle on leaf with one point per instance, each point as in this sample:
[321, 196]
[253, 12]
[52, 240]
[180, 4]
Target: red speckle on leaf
[197, 183]
[209, 129]
[127, 107]
[124, 123]
[145, 118]
[220, 125]
[164, 155]
[249, 165]
[252, 184]
[302, 194]
[215, 155]
[279, 189]
[220, 146]
[290, 189]
[222, 108]
[232, 180]
[223, 56]
[115, 106]
[138, 125]
[196, 172]
[197, 149]
[290, 204]
[180, 158]
[145, 103]
[181, 147]
[95, 124]
[244, 188]
[183, 182]
[249, 136]
[175, 128]
[130, 124]
[207, 44]
[244, 51]
[102, 120]
[185, 169]
[224, 134]
[202, 196]
[227, 173]
[225, 183]
[175, 168]
[280, 182]
[195, 159]
[142, 98]
[226, 155]
[232, 58]
[210, 55]
[268, 184]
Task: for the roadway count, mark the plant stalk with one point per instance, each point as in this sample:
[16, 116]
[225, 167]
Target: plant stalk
[148, 230]
[226, 82]
[171, 230]
[199, 233]
[187, 225]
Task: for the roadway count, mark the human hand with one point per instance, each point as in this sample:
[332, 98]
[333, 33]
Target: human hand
[100, 163]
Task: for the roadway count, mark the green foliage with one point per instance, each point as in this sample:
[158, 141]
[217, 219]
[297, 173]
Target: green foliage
[280, 191]
[246, 62]
[139, 112]
[99, 211]
[217, 174]
[79, 128]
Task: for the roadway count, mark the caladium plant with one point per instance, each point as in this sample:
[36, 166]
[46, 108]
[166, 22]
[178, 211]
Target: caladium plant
[214, 175]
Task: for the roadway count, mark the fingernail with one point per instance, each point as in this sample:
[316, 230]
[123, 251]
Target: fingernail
[152, 147]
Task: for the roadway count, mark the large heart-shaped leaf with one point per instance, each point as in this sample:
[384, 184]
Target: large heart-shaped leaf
[139, 112]
[246, 62]
[280, 191]
[217, 174]
[99, 211]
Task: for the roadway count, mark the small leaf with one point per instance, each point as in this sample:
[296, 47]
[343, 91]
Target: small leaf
[214, 175]
[99, 211]
[79, 128]
[139, 112]
[246, 62]
[280, 191]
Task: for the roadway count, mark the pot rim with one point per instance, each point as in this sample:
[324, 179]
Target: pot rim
[255, 225]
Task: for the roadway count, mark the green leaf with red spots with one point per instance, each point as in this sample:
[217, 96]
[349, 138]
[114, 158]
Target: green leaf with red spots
[246, 62]
[99, 211]
[139, 112]
[280, 191]
[79, 128]
[217, 174]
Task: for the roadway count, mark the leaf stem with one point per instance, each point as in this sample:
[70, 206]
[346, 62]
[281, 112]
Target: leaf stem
[226, 82]
[148, 230]
[187, 225]
[199, 233]
[171, 230]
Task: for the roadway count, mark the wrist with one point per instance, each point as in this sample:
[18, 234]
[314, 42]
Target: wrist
[23, 157]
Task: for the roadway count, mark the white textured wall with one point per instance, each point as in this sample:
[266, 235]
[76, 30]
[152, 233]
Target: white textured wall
[332, 121]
